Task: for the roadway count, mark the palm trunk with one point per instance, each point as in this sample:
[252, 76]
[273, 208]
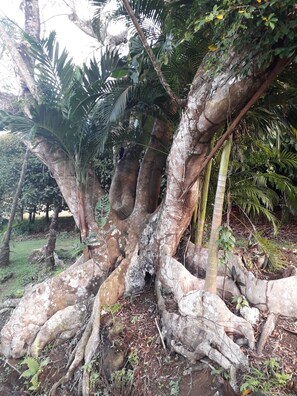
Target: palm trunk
[5, 250]
[212, 268]
[202, 208]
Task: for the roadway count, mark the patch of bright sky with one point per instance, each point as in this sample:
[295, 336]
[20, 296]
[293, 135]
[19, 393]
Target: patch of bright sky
[54, 16]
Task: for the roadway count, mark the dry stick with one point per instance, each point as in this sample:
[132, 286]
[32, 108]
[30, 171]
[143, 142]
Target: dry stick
[160, 334]
[278, 68]
[151, 55]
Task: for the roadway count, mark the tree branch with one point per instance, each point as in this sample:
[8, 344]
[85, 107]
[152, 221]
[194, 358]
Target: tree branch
[278, 68]
[151, 55]
[20, 63]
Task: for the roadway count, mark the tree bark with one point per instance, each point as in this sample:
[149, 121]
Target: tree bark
[51, 243]
[5, 250]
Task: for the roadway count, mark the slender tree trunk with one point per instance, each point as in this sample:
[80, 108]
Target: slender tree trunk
[212, 271]
[22, 214]
[34, 214]
[5, 250]
[202, 207]
[47, 212]
[51, 243]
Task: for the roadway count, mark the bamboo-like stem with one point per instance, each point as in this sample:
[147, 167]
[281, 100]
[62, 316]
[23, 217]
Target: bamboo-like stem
[212, 267]
[203, 205]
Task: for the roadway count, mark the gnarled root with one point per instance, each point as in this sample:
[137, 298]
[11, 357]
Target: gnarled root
[109, 293]
[201, 325]
[278, 296]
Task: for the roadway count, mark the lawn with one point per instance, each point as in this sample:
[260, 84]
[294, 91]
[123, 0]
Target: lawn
[25, 273]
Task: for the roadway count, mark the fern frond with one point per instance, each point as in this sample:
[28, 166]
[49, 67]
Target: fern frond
[271, 251]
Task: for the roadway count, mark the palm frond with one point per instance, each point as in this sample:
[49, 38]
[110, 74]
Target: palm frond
[55, 70]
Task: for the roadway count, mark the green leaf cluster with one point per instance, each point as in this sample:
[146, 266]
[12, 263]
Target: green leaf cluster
[271, 27]
[35, 368]
[267, 377]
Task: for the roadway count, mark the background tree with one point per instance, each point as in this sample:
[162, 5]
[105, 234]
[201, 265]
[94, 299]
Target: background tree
[5, 250]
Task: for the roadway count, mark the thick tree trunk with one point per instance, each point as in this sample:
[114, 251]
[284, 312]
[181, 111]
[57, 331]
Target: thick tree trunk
[4, 254]
[63, 171]
[210, 102]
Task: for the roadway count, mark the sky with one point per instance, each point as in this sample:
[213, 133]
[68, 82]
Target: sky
[53, 17]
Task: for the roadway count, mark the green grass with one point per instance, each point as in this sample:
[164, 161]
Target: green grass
[25, 273]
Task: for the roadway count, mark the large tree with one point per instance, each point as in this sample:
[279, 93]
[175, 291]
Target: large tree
[143, 229]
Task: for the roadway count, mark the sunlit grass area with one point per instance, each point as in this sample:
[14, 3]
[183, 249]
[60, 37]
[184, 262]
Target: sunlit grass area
[25, 273]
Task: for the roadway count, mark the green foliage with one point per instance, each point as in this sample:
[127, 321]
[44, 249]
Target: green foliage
[174, 387]
[133, 358]
[39, 187]
[267, 377]
[102, 210]
[122, 378]
[35, 368]
[24, 272]
[221, 372]
[271, 27]
[260, 180]
[271, 251]
[113, 309]
[226, 240]
[240, 302]
[69, 115]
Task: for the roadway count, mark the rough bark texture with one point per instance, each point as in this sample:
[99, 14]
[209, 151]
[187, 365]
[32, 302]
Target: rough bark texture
[42, 301]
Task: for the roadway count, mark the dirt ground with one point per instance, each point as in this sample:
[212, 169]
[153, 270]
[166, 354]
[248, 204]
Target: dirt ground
[132, 347]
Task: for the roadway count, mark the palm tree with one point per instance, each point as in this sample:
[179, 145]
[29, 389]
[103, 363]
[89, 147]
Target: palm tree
[66, 114]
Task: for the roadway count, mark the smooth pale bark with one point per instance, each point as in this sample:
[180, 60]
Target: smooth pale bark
[213, 249]
[5, 250]
[210, 101]
[123, 186]
[152, 168]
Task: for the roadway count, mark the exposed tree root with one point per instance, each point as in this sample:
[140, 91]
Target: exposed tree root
[264, 294]
[199, 327]
[267, 330]
[109, 293]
